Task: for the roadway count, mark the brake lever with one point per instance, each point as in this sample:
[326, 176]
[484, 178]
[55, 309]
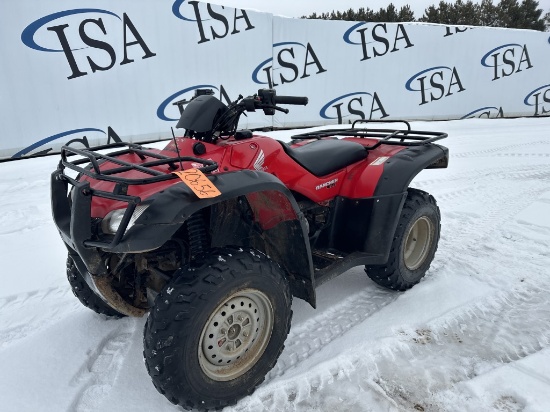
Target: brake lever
[281, 109]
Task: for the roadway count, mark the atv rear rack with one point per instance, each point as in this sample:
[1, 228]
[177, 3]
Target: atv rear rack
[398, 137]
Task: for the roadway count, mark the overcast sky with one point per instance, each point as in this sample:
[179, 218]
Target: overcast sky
[296, 8]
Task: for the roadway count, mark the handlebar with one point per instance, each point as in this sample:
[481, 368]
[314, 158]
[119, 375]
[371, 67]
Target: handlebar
[226, 124]
[296, 100]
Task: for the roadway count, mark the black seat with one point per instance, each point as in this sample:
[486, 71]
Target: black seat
[323, 157]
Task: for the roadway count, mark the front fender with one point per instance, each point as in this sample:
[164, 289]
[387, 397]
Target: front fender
[170, 208]
[279, 227]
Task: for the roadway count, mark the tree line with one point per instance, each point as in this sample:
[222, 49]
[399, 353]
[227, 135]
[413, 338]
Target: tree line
[506, 13]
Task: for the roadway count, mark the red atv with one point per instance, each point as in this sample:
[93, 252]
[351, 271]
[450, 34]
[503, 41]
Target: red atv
[216, 233]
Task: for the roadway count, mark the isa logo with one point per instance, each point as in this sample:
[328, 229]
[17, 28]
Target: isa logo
[489, 112]
[378, 41]
[452, 30]
[354, 106]
[435, 83]
[293, 61]
[507, 60]
[87, 38]
[540, 100]
[76, 137]
[168, 112]
[213, 22]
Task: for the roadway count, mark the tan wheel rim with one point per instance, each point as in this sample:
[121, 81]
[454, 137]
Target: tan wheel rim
[236, 335]
[417, 243]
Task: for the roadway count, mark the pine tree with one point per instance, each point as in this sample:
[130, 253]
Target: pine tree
[406, 14]
[507, 13]
[531, 16]
[365, 14]
[388, 15]
[467, 13]
[442, 14]
[487, 14]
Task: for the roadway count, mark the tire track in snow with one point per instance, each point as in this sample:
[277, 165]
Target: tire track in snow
[495, 237]
[501, 173]
[23, 219]
[498, 330]
[313, 335]
[523, 188]
[498, 400]
[19, 317]
[523, 155]
[482, 231]
[21, 204]
[477, 184]
[500, 209]
[98, 374]
[478, 153]
[30, 184]
[333, 323]
[482, 238]
[540, 231]
[17, 301]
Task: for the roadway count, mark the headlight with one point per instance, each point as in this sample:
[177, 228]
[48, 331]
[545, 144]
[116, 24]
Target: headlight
[111, 222]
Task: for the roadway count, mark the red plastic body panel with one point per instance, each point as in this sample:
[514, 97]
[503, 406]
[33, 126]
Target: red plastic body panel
[261, 153]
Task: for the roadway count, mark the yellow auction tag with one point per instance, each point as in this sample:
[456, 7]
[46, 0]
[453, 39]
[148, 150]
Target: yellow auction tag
[199, 183]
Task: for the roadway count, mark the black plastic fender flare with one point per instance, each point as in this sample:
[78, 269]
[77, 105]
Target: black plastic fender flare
[370, 223]
[170, 208]
[402, 168]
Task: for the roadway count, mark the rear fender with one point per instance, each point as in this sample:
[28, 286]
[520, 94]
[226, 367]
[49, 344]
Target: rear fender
[366, 218]
[391, 192]
[403, 167]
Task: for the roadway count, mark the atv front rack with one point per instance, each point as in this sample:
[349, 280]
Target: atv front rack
[400, 137]
[72, 213]
[95, 158]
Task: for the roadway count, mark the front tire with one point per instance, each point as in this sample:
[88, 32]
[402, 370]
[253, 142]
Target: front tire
[414, 243]
[217, 329]
[85, 294]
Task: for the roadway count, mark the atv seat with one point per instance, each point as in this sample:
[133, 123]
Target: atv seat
[323, 157]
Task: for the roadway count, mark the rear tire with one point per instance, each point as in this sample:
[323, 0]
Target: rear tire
[414, 243]
[85, 294]
[216, 330]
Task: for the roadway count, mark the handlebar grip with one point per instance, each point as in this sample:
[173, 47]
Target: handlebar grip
[291, 100]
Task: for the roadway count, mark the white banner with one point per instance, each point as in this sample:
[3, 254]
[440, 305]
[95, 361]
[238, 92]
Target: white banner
[88, 74]
[79, 73]
[408, 71]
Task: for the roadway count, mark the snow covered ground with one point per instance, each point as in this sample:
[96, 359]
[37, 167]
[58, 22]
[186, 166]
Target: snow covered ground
[474, 335]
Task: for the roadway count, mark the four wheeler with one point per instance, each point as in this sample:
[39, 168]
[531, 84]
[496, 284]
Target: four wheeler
[213, 235]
